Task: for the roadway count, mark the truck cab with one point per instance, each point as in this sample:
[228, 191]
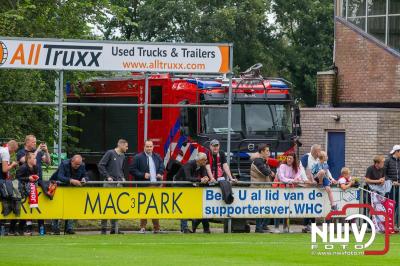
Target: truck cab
[263, 111]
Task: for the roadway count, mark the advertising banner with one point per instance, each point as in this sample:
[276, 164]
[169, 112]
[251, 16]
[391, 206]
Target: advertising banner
[182, 203]
[114, 56]
[275, 202]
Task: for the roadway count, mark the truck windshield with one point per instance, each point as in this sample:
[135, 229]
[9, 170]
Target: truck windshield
[216, 120]
[250, 119]
[264, 118]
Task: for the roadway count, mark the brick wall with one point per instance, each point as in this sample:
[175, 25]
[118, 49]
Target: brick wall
[368, 132]
[366, 71]
[326, 88]
[388, 130]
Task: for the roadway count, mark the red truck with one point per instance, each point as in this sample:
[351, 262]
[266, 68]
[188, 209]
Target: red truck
[263, 111]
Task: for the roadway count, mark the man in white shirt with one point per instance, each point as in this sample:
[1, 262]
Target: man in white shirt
[308, 161]
[6, 166]
[5, 155]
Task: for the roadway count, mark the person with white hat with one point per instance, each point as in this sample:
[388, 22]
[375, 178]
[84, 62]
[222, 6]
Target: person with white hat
[392, 173]
[392, 165]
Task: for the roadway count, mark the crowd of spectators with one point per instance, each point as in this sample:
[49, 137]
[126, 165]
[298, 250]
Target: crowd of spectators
[208, 168]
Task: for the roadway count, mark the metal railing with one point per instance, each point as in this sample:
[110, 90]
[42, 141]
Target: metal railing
[238, 183]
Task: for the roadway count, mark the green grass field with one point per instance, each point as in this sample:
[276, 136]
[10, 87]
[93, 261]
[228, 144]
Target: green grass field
[179, 249]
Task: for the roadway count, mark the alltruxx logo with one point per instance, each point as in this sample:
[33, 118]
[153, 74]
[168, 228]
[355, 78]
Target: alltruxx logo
[3, 53]
[56, 55]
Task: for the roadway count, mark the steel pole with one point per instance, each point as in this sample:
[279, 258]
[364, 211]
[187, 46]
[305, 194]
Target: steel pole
[146, 104]
[56, 91]
[60, 114]
[228, 144]
[397, 206]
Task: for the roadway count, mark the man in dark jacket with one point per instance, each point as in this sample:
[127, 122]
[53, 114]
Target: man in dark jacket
[111, 168]
[42, 156]
[392, 165]
[70, 173]
[261, 172]
[195, 171]
[148, 166]
[41, 153]
[392, 172]
[26, 173]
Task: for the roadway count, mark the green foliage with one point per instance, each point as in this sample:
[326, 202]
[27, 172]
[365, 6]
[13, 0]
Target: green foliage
[40, 19]
[307, 25]
[18, 120]
[241, 22]
[292, 38]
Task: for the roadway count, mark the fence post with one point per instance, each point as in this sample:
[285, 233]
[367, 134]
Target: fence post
[361, 201]
[228, 142]
[397, 207]
[60, 114]
[146, 104]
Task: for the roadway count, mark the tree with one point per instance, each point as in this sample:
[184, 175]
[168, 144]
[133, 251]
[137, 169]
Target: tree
[307, 28]
[292, 38]
[243, 23]
[295, 44]
[50, 19]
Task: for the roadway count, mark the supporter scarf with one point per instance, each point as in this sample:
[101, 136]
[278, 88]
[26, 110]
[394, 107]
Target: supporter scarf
[219, 172]
[33, 194]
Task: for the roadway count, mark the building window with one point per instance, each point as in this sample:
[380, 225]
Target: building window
[356, 8]
[394, 7]
[394, 32]
[376, 7]
[376, 27]
[380, 18]
[359, 22]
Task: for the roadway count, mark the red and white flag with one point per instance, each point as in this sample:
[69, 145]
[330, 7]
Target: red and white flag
[380, 203]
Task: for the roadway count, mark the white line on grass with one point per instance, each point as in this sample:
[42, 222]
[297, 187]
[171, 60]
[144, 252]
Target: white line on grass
[155, 243]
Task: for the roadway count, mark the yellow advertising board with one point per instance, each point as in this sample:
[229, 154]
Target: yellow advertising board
[116, 203]
[185, 203]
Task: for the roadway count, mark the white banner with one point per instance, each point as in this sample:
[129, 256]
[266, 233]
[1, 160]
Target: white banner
[275, 202]
[114, 56]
